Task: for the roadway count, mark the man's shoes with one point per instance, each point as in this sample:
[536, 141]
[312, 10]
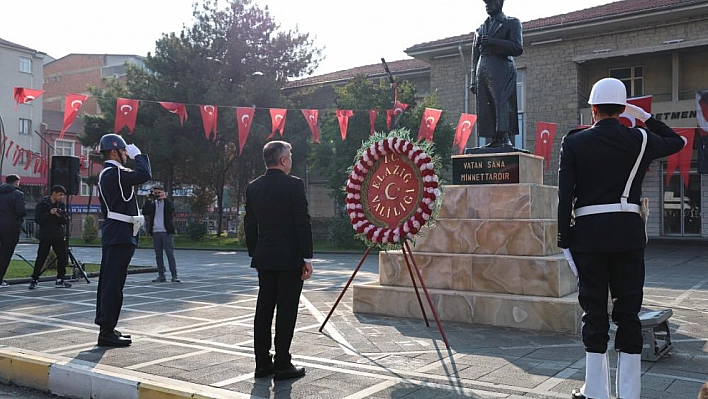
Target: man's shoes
[577, 395]
[262, 372]
[113, 338]
[288, 373]
[33, 284]
[176, 280]
[59, 284]
[4, 284]
[159, 279]
[121, 334]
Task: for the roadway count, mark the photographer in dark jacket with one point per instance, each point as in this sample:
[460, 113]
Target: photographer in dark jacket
[12, 210]
[159, 209]
[50, 214]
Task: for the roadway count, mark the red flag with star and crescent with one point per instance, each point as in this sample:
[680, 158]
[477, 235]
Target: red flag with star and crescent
[29, 155]
[428, 122]
[702, 137]
[178, 109]
[72, 106]
[126, 114]
[210, 115]
[244, 117]
[682, 159]
[464, 130]
[343, 116]
[277, 118]
[372, 120]
[398, 108]
[545, 134]
[641, 102]
[23, 95]
[311, 116]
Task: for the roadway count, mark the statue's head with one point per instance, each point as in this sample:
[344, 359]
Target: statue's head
[493, 7]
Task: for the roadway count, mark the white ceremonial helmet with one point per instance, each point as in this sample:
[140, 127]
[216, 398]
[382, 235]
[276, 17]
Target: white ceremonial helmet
[608, 91]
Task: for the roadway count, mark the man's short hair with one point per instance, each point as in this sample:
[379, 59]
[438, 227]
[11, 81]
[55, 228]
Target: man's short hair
[158, 187]
[273, 151]
[610, 109]
[58, 189]
[11, 179]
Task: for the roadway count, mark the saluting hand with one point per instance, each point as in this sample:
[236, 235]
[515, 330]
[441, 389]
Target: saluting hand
[306, 271]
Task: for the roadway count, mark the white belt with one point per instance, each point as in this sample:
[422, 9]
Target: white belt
[606, 208]
[136, 221]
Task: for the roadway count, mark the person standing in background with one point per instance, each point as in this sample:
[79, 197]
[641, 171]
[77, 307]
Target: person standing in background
[12, 213]
[159, 209]
[50, 214]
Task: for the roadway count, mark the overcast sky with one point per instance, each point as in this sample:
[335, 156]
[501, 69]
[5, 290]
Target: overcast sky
[353, 33]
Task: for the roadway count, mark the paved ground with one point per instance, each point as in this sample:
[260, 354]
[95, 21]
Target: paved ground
[201, 332]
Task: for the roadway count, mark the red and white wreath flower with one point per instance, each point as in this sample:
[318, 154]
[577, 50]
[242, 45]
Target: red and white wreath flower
[426, 206]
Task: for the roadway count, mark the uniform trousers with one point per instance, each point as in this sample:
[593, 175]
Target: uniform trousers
[281, 289]
[111, 280]
[623, 274]
[59, 245]
[8, 242]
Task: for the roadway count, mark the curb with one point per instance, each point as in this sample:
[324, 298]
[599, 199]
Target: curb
[131, 270]
[81, 379]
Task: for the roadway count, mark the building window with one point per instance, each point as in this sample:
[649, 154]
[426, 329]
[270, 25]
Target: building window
[25, 65]
[519, 139]
[25, 126]
[633, 79]
[63, 147]
[85, 190]
[682, 203]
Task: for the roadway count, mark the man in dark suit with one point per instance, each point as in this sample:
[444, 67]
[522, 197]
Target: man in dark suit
[12, 212]
[119, 231]
[159, 209]
[50, 214]
[496, 42]
[604, 243]
[279, 239]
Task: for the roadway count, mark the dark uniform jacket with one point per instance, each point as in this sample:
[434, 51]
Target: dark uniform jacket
[12, 208]
[277, 225]
[168, 210]
[115, 232]
[51, 227]
[595, 164]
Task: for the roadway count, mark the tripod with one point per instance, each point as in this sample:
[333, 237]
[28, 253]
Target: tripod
[78, 270]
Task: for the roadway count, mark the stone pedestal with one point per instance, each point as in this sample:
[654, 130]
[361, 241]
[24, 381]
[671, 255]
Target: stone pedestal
[490, 259]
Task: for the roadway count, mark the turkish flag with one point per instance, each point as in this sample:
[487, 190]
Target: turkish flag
[38, 164]
[682, 159]
[311, 117]
[545, 134]
[464, 129]
[389, 116]
[178, 109]
[126, 114]
[72, 106]
[398, 109]
[244, 117]
[277, 118]
[45, 166]
[9, 147]
[372, 120]
[28, 161]
[25, 96]
[210, 114]
[428, 122]
[702, 109]
[18, 155]
[641, 102]
[343, 116]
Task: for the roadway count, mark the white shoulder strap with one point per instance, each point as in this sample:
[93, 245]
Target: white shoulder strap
[633, 173]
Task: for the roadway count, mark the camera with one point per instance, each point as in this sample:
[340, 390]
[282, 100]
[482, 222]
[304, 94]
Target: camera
[61, 211]
[151, 196]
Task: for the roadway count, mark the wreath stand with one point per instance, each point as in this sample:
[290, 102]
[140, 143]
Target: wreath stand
[410, 260]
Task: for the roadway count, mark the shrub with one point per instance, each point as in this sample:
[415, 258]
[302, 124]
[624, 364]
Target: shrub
[89, 232]
[196, 230]
[341, 234]
[241, 231]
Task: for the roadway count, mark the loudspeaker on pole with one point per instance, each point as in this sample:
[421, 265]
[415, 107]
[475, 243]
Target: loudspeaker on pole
[66, 172]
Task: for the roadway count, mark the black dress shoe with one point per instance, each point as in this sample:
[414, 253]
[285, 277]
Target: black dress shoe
[288, 373]
[120, 334]
[262, 372]
[577, 395]
[112, 338]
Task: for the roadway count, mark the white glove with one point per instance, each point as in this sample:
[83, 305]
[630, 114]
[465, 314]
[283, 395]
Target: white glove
[571, 262]
[636, 112]
[132, 151]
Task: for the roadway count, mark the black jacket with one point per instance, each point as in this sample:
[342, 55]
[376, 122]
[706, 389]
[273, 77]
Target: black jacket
[12, 208]
[595, 164]
[51, 227]
[277, 225]
[149, 212]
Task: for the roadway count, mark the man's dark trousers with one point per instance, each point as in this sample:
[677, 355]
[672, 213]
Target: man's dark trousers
[8, 242]
[281, 289]
[623, 273]
[114, 269]
[164, 241]
[59, 246]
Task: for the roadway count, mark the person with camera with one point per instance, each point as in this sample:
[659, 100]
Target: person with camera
[159, 209]
[51, 216]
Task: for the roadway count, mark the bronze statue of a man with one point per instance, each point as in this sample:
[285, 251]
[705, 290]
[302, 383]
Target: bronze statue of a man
[497, 41]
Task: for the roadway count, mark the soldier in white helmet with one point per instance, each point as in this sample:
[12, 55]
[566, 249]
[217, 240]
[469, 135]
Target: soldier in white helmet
[602, 233]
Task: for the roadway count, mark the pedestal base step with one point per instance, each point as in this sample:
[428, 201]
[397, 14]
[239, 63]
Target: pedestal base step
[504, 310]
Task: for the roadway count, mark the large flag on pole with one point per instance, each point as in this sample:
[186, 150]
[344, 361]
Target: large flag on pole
[72, 105]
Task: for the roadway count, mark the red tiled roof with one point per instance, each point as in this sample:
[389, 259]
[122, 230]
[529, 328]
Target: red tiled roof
[607, 11]
[401, 66]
